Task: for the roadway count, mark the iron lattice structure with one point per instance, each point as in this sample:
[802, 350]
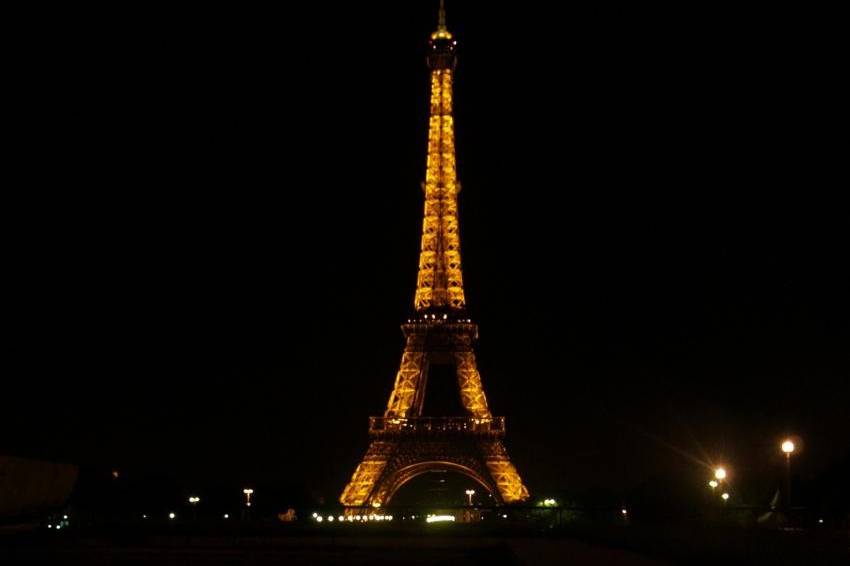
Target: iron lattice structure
[405, 443]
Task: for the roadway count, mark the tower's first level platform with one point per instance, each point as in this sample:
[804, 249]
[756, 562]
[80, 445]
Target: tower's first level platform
[493, 427]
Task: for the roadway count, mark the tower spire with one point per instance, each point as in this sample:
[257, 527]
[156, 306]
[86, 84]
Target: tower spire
[441, 25]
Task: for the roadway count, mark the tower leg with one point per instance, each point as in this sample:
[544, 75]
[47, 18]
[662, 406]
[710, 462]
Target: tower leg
[367, 474]
[504, 473]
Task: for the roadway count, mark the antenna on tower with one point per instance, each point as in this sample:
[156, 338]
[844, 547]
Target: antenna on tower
[441, 25]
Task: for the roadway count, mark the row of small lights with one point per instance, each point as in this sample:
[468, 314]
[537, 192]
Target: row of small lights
[62, 523]
[194, 500]
[173, 516]
[434, 317]
[430, 518]
[352, 518]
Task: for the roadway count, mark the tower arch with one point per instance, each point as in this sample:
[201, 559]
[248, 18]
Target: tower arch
[399, 478]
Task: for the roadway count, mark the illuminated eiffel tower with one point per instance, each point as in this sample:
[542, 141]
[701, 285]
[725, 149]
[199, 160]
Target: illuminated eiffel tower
[405, 443]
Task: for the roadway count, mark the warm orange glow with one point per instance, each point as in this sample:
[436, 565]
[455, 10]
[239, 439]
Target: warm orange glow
[788, 446]
[720, 473]
[439, 301]
[440, 281]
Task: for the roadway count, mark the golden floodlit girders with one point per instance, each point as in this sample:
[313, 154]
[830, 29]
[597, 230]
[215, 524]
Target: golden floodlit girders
[440, 281]
[409, 388]
[404, 444]
[471, 391]
[507, 480]
[367, 473]
[407, 381]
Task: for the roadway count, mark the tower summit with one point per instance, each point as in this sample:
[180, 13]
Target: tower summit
[439, 287]
[439, 343]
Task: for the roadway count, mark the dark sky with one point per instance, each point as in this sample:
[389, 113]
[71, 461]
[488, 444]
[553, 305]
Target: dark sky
[215, 215]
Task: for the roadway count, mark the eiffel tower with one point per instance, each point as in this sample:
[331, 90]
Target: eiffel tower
[404, 442]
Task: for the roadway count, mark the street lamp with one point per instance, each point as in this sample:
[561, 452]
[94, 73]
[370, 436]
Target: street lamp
[725, 497]
[720, 473]
[470, 493]
[713, 484]
[788, 448]
[248, 491]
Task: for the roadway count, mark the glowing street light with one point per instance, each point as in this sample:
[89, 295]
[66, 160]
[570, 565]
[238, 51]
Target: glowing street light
[193, 501]
[720, 474]
[713, 484]
[725, 497]
[788, 448]
[469, 494]
[248, 492]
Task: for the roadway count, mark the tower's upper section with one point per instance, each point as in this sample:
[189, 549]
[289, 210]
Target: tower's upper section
[441, 46]
[439, 287]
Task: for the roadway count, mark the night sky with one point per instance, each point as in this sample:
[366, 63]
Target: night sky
[213, 221]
